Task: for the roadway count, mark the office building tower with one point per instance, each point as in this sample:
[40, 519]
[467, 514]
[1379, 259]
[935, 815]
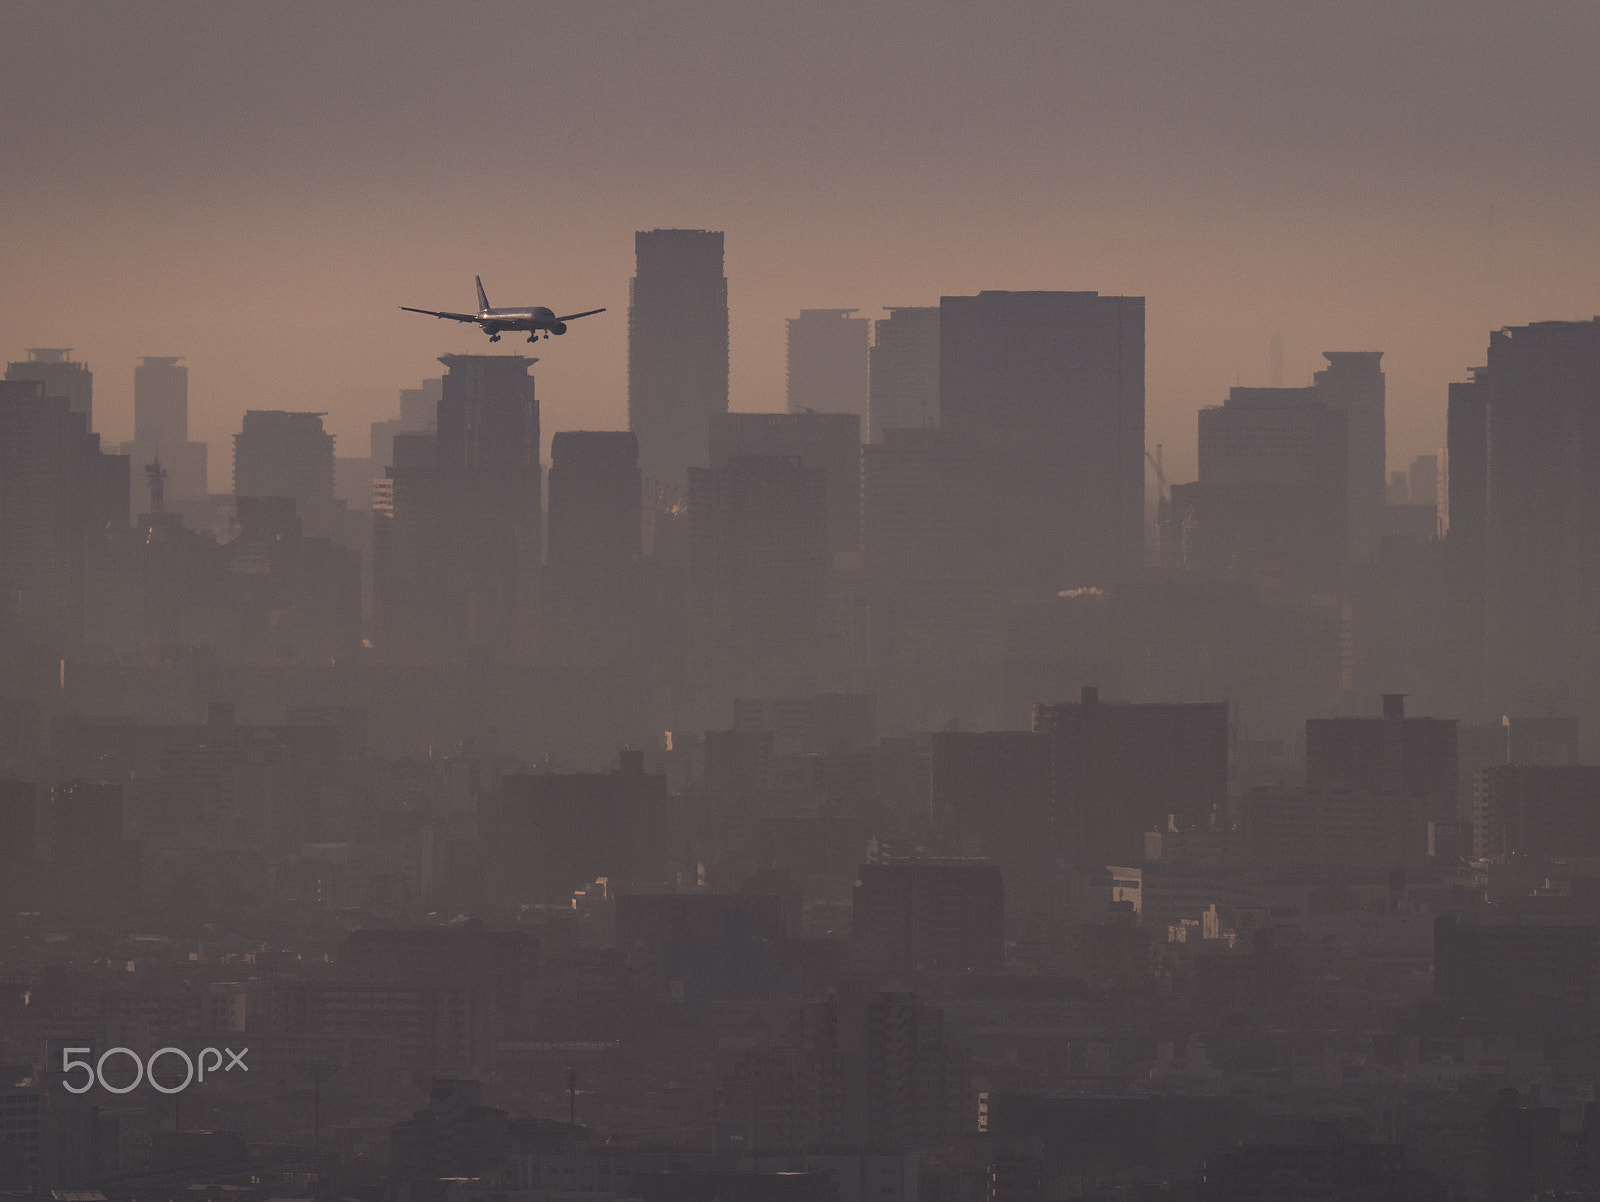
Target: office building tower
[677, 349]
[1542, 528]
[419, 411]
[591, 612]
[161, 429]
[412, 617]
[1393, 754]
[827, 361]
[1120, 769]
[994, 787]
[1050, 386]
[280, 454]
[1466, 525]
[1270, 503]
[1535, 812]
[60, 500]
[489, 473]
[830, 441]
[595, 500]
[1353, 383]
[904, 371]
[933, 916]
[61, 376]
[930, 568]
[758, 565]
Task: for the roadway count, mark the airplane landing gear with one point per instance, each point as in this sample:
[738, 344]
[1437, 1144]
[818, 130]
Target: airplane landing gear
[494, 338]
[533, 338]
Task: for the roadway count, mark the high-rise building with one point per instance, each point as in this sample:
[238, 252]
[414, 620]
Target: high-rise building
[419, 411]
[758, 563]
[457, 546]
[591, 612]
[281, 454]
[488, 463]
[1389, 756]
[1542, 514]
[595, 499]
[1271, 498]
[936, 916]
[904, 371]
[161, 428]
[827, 362]
[1353, 383]
[60, 498]
[931, 579]
[62, 377]
[1120, 769]
[830, 441]
[677, 349]
[1050, 385]
[1535, 812]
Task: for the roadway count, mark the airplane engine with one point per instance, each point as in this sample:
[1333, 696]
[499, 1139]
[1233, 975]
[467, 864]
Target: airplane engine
[559, 328]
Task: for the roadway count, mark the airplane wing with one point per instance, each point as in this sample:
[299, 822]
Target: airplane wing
[436, 313]
[585, 313]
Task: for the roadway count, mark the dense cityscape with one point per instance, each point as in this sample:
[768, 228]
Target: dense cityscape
[911, 794]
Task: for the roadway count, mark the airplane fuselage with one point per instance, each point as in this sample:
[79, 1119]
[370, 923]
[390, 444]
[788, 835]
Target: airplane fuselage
[536, 319]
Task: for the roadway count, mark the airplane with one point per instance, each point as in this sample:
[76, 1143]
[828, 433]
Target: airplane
[533, 321]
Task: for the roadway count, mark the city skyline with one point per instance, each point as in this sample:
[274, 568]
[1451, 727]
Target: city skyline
[1410, 237]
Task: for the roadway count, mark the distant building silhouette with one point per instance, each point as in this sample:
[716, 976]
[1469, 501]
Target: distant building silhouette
[419, 411]
[827, 362]
[1542, 516]
[161, 427]
[677, 349]
[456, 540]
[591, 615]
[904, 371]
[1353, 383]
[61, 376]
[758, 563]
[281, 454]
[1271, 502]
[931, 572]
[1050, 385]
[488, 463]
[930, 916]
[1120, 769]
[830, 441]
[60, 499]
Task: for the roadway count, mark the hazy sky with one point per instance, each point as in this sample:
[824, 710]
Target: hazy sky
[257, 187]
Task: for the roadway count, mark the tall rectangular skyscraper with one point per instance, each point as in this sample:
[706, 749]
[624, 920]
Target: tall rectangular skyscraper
[827, 361]
[1542, 528]
[161, 427]
[1353, 382]
[1050, 386]
[677, 349]
[904, 371]
[280, 454]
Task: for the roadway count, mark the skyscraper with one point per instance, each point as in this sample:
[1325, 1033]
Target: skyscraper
[489, 474]
[827, 361]
[595, 499]
[1271, 498]
[161, 427]
[758, 561]
[677, 349]
[830, 441]
[904, 371]
[1353, 382]
[62, 377]
[1542, 528]
[281, 454]
[1050, 385]
[59, 497]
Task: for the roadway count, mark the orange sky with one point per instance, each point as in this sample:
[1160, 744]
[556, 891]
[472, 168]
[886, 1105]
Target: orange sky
[257, 188]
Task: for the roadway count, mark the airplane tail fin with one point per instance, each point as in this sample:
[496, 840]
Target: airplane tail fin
[483, 301]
